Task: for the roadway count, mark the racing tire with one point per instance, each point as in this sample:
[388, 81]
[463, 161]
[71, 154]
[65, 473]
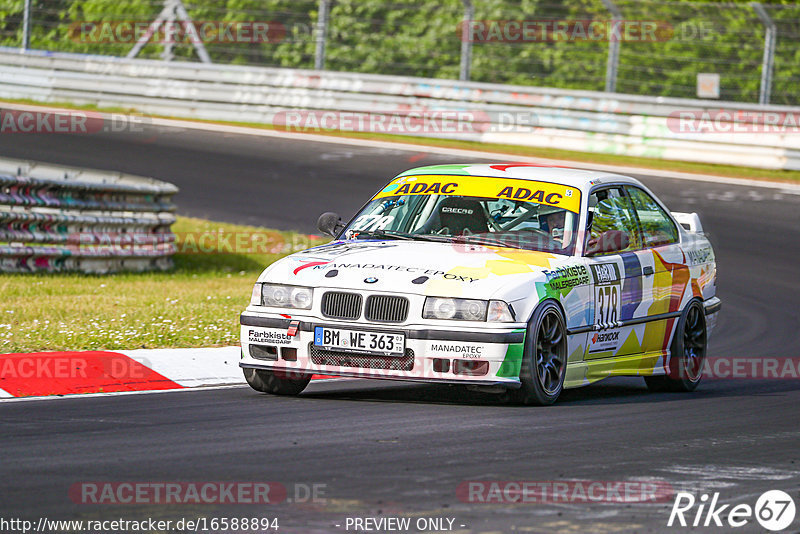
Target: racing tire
[687, 353]
[544, 360]
[276, 382]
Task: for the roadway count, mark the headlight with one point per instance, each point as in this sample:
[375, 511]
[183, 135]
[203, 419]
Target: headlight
[280, 296]
[466, 310]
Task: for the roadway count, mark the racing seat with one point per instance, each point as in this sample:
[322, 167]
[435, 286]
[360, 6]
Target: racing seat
[459, 215]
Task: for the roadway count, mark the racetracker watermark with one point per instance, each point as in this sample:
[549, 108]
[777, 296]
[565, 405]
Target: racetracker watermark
[184, 524]
[210, 492]
[409, 122]
[255, 242]
[753, 368]
[44, 366]
[555, 30]
[177, 32]
[69, 122]
[564, 491]
[733, 121]
[203, 242]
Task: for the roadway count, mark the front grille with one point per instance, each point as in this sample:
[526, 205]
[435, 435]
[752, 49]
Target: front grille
[386, 309]
[363, 361]
[339, 305]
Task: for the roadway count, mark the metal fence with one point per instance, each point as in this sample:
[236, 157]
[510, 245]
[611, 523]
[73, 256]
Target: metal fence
[55, 219]
[301, 100]
[599, 45]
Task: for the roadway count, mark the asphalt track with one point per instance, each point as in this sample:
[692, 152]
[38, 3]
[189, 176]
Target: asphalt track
[390, 449]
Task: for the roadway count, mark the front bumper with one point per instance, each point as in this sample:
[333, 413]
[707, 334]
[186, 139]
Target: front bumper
[712, 307]
[473, 356]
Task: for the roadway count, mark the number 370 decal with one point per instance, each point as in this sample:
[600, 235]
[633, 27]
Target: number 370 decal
[606, 300]
[606, 293]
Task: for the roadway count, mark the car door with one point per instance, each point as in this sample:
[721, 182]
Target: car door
[670, 277]
[616, 262]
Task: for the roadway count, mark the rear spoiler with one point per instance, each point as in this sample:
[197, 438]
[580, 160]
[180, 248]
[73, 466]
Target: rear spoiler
[689, 221]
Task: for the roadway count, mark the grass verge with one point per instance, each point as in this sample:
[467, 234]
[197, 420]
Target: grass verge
[195, 305]
[732, 171]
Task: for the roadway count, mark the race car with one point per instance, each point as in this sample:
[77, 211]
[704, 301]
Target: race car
[514, 278]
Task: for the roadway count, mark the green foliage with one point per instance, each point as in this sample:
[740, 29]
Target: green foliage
[423, 38]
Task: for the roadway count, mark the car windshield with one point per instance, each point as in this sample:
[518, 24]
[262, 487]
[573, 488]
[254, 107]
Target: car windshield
[514, 213]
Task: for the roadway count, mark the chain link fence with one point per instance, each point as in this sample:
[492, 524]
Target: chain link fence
[643, 47]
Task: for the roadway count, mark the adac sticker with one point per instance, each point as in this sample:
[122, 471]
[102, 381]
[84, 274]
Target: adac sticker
[546, 193]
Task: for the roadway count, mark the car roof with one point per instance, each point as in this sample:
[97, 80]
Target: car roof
[580, 178]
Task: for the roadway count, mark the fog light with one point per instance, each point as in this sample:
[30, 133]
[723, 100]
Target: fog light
[264, 352]
[289, 354]
[441, 365]
[470, 367]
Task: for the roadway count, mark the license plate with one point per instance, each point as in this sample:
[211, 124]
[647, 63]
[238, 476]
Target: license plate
[359, 341]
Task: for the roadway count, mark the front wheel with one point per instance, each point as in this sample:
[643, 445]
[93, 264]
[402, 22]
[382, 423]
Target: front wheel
[276, 382]
[687, 353]
[544, 361]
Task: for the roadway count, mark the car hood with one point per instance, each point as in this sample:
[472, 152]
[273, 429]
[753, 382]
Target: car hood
[426, 268]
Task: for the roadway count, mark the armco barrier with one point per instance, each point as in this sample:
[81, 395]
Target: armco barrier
[563, 119]
[58, 219]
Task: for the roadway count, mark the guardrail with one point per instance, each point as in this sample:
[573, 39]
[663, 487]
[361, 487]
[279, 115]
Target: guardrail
[572, 120]
[55, 219]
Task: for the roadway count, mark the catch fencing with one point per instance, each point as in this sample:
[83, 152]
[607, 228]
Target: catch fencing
[56, 219]
[295, 99]
[594, 45]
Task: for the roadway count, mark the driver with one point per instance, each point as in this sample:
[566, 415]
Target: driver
[553, 223]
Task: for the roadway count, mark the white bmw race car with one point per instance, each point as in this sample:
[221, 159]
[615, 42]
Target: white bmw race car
[511, 277]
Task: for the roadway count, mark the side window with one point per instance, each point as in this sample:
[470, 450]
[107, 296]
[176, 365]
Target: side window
[612, 224]
[657, 228]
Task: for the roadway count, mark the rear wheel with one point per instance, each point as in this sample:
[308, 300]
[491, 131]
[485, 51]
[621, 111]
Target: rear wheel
[544, 362]
[276, 382]
[687, 353]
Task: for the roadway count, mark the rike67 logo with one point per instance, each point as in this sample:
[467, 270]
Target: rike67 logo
[774, 510]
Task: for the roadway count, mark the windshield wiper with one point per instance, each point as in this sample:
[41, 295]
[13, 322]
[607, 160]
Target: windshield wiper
[487, 242]
[431, 237]
[406, 236]
[383, 234]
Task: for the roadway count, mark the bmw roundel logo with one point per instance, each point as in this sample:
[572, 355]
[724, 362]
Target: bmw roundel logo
[370, 280]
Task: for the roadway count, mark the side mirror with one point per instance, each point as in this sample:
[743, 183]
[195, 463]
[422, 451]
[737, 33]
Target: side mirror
[608, 241]
[330, 223]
